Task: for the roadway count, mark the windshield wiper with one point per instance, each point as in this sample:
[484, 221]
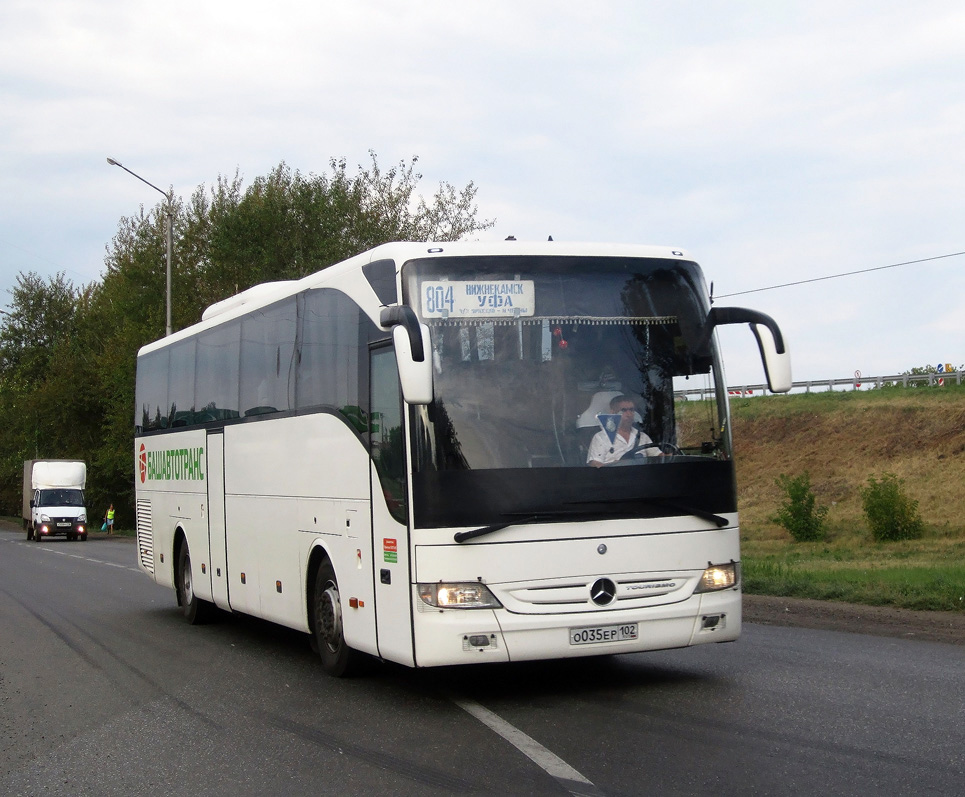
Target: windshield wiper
[518, 518]
[703, 514]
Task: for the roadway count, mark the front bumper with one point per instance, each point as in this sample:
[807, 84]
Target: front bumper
[455, 636]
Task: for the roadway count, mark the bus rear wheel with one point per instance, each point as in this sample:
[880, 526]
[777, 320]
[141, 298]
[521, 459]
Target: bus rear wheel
[338, 659]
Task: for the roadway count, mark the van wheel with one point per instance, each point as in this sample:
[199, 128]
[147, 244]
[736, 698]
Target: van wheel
[83, 537]
[196, 610]
[338, 659]
[30, 533]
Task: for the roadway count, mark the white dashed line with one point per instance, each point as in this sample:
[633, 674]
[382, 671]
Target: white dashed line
[90, 559]
[552, 764]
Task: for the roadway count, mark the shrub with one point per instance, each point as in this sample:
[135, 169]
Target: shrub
[800, 513]
[891, 514]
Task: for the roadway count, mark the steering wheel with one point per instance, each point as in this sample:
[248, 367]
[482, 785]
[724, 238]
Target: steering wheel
[637, 452]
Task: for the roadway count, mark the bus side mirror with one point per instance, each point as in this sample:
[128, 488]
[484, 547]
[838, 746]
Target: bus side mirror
[777, 365]
[412, 353]
[774, 354]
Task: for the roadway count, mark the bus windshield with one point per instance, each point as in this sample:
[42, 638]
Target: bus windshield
[529, 354]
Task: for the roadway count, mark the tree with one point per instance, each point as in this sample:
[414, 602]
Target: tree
[41, 315]
[37, 353]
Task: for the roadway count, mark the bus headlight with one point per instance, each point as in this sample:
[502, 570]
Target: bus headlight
[469, 595]
[717, 577]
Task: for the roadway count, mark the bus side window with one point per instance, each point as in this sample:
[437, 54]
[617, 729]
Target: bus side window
[385, 427]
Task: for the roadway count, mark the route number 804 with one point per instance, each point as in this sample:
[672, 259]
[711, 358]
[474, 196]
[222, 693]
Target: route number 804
[439, 299]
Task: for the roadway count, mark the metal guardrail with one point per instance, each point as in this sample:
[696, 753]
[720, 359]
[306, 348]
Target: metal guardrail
[857, 382]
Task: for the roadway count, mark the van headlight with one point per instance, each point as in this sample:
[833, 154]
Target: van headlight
[82, 517]
[717, 577]
[458, 595]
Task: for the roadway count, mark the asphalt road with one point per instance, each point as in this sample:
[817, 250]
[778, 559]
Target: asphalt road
[104, 690]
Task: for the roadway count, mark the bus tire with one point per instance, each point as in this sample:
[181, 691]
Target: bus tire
[338, 659]
[195, 610]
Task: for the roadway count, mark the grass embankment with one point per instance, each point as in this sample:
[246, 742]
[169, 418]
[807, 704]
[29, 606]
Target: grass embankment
[841, 439]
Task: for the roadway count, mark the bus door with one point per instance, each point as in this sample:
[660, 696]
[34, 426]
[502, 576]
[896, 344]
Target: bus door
[390, 531]
[216, 519]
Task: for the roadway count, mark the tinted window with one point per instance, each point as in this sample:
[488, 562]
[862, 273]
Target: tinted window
[219, 354]
[267, 359]
[381, 276]
[388, 442]
[330, 337]
[181, 384]
[152, 391]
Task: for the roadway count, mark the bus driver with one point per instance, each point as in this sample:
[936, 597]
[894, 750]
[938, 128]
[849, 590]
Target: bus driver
[627, 437]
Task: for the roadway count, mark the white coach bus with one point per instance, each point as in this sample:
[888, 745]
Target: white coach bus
[392, 455]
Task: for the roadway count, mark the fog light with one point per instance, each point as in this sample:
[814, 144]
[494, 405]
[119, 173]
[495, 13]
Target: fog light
[712, 623]
[479, 642]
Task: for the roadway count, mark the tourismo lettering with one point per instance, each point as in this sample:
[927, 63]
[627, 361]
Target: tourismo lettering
[179, 464]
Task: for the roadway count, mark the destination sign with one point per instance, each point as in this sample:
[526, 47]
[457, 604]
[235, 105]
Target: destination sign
[478, 299]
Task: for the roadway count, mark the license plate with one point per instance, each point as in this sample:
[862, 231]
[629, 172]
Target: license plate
[603, 633]
[62, 525]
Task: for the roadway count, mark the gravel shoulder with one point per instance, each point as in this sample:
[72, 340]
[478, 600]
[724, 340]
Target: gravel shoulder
[947, 627]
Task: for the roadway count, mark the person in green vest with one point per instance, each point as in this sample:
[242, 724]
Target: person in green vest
[110, 519]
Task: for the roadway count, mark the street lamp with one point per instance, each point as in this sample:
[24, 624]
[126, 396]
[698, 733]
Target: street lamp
[169, 196]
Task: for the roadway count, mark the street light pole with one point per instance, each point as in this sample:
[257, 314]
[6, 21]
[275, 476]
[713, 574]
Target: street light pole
[169, 211]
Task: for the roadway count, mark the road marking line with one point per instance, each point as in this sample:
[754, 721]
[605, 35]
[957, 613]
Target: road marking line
[552, 764]
[75, 556]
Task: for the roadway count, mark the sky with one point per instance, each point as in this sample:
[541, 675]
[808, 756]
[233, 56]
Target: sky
[775, 142]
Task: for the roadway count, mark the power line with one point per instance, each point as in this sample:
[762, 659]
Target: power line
[836, 276]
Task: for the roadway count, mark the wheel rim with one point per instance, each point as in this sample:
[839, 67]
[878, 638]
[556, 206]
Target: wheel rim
[330, 618]
[186, 581]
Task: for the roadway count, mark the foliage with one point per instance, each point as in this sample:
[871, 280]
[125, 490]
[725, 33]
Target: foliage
[67, 354]
[799, 513]
[891, 514]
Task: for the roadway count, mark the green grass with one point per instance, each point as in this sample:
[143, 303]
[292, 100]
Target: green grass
[926, 574]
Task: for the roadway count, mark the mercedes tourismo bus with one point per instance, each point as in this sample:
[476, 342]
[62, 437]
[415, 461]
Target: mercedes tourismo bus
[390, 455]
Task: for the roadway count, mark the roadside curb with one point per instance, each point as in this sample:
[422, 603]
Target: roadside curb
[947, 627]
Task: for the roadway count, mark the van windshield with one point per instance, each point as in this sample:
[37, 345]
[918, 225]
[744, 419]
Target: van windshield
[61, 497]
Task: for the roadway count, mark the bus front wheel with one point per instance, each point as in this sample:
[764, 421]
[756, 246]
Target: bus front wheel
[338, 659]
[195, 609]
